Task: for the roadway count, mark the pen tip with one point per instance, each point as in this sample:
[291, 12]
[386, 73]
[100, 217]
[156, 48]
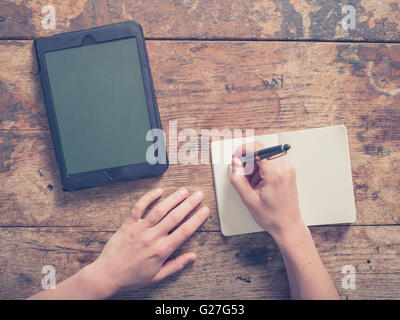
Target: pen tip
[286, 147]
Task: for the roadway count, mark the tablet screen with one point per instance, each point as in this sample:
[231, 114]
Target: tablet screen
[100, 105]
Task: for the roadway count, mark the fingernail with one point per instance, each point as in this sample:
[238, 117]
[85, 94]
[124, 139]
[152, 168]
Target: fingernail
[184, 191]
[236, 162]
[205, 210]
[198, 195]
[193, 257]
[158, 190]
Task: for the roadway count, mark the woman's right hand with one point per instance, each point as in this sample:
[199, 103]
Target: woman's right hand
[270, 194]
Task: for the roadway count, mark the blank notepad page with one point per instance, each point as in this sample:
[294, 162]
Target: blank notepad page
[324, 180]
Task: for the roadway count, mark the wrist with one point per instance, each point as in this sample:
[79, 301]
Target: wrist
[291, 236]
[96, 282]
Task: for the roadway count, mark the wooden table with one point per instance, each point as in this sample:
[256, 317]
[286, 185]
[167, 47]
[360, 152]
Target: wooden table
[273, 65]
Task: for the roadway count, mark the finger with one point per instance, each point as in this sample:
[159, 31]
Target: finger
[176, 238]
[255, 179]
[238, 178]
[270, 168]
[255, 172]
[174, 265]
[158, 212]
[247, 148]
[241, 184]
[142, 204]
[179, 213]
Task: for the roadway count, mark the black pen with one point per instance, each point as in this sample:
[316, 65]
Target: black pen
[266, 153]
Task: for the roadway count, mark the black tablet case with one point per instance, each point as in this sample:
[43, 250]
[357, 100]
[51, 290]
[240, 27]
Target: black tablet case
[121, 30]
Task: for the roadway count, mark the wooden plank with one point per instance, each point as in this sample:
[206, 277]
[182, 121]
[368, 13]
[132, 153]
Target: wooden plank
[270, 87]
[241, 267]
[33, 196]
[233, 19]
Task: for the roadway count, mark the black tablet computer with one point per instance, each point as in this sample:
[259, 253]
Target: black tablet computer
[101, 105]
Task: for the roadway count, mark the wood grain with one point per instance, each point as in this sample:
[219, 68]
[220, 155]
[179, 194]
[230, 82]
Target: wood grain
[242, 267]
[270, 87]
[210, 19]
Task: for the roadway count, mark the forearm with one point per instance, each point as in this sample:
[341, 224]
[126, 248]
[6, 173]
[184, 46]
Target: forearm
[308, 278]
[83, 285]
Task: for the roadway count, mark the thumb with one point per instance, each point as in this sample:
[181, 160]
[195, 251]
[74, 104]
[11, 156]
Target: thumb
[239, 180]
[174, 265]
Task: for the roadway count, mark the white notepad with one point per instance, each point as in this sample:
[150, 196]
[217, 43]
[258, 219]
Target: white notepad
[324, 181]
